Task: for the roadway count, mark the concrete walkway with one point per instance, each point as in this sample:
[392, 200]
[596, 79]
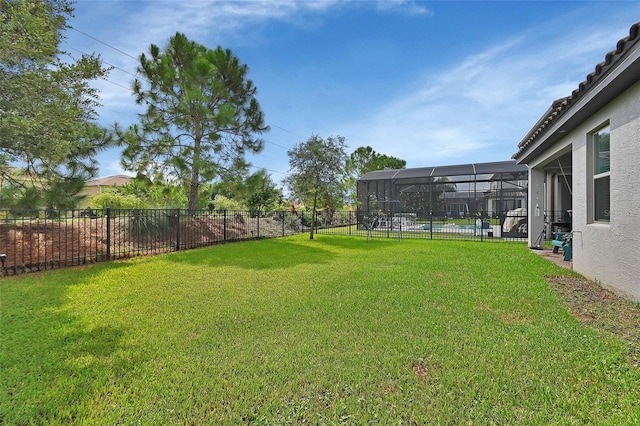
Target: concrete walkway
[556, 258]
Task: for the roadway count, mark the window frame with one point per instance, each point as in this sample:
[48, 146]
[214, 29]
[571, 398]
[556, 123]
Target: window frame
[599, 177]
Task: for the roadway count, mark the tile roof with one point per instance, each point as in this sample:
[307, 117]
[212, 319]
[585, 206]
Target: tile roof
[110, 180]
[560, 106]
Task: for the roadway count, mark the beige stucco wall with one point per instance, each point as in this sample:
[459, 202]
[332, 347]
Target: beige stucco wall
[95, 186]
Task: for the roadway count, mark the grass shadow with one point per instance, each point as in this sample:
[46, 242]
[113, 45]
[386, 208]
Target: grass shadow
[277, 253]
[355, 243]
[52, 360]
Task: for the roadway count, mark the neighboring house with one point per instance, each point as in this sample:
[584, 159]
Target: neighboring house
[584, 168]
[95, 186]
[504, 196]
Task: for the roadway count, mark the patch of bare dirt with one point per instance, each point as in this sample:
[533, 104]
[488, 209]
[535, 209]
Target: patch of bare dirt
[424, 370]
[601, 309]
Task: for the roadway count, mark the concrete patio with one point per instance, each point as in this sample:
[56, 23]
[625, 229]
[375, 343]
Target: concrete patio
[556, 258]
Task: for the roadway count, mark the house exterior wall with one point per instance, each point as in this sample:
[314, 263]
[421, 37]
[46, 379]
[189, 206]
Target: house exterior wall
[610, 253]
[95, 186]
[607, 252]
[539, 190]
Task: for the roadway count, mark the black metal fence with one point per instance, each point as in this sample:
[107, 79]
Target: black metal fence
[507, 226]
[36, 240]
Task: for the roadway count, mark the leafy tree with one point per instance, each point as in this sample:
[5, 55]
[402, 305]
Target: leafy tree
[47, 106]
[141, 192]
[317, 171]
[25, 198]
[364, 160]
[156, 194]
[262, 193]
[64, 193]
[115, 198]
[201, 115]
[257, 191]
[167, 196]
[220, 203]
[232, 183]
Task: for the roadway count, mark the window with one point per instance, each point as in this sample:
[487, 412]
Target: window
[601, 172]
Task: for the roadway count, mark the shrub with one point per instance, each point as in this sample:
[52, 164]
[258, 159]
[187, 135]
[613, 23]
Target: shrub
[147, 224]
[115, 200]
[223, 203]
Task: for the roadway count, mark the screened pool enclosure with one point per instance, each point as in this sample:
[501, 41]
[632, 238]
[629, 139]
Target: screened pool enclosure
[484, 198]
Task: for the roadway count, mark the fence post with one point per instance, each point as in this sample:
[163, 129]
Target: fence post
[177, 229]
[108, 216]
[431, 225]
[349, 222]
[284, 216]
[224, 227]
[258, 223]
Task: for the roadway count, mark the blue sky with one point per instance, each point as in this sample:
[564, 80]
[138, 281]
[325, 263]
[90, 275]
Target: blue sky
[433, 82]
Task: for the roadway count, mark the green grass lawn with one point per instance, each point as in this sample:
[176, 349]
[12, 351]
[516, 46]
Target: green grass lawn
[334, 330]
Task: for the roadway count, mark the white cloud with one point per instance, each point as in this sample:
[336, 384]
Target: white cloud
[157, 21]
[409, 7]
[140, 24]
[479, 109]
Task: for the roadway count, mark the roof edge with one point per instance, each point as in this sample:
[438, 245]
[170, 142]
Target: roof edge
[560, 106]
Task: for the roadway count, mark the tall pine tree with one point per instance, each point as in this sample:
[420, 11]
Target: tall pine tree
[201, 115]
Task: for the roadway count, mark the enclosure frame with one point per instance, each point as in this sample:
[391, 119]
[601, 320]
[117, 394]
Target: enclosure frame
[496, 192]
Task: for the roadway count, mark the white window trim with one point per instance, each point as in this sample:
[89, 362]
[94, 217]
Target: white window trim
[593, 177]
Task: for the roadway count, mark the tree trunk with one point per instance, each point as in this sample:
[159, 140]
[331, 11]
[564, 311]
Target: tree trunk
[313, 215]
[195, 177]
[193, 195]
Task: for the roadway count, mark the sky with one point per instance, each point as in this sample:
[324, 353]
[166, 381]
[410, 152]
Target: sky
[430, 82]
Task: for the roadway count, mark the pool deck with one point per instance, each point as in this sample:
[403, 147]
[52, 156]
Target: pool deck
[556, 258]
